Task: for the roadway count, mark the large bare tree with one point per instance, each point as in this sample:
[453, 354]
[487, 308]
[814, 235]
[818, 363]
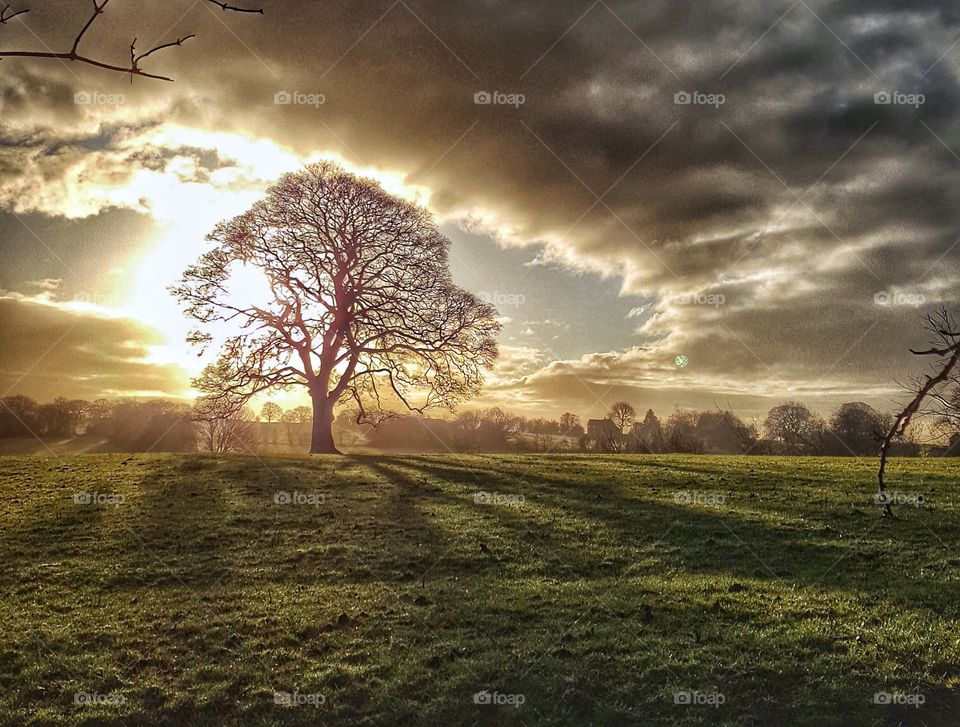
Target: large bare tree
[362, 305]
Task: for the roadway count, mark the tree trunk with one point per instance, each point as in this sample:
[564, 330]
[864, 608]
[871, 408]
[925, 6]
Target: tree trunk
[321, 440]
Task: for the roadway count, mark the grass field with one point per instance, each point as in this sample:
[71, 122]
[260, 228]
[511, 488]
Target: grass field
[762, 591]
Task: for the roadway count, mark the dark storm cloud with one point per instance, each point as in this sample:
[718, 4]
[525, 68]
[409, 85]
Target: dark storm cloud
[36, 246]
[66, 353]
[799, 198]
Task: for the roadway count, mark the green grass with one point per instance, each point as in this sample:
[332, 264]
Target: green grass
[398, 598]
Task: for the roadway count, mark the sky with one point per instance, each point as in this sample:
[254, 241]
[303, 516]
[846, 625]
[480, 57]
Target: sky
[721, 204]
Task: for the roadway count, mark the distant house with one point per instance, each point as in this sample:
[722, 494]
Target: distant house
[601, 429]
[604, 436]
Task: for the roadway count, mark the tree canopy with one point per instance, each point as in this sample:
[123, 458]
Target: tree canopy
[361, 302]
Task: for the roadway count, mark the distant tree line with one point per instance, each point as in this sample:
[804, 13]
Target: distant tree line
[210, 424]
[790, 428]
[20, 415]
[127, 425]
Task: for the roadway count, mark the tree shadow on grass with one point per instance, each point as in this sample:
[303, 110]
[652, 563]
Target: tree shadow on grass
[715, 543]
[705, 539]
[568, 607]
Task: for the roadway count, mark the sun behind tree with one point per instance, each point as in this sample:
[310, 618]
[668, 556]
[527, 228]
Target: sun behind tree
[362, 305]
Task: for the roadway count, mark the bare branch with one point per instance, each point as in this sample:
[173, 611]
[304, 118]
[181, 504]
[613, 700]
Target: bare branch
[234, 8]
[74, 55]
[135, 59]
[6, 15]
[97, 9]
[947, 346]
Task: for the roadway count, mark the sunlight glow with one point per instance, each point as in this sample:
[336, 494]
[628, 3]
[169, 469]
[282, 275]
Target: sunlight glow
[187, 200]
